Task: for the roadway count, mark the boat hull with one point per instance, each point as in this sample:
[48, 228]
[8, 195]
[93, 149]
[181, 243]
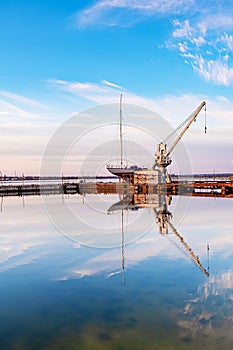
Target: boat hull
[124, 172]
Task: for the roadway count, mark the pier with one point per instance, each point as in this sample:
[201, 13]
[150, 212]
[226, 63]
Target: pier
[219, 186]
[201, 189]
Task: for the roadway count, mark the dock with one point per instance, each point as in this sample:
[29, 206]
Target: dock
[187, 186]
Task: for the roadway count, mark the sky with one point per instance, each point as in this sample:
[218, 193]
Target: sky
[58, 58]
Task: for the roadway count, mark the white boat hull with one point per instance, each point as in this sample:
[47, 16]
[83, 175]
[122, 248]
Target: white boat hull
[122, 172]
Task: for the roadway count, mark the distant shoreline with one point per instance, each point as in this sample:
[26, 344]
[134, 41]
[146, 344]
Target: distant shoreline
[7, 178]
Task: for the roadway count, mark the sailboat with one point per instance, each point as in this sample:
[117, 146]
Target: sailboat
[122, 170]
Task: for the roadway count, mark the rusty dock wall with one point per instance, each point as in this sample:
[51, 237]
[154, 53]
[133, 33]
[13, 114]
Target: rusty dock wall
[195, 188]
[66, 188]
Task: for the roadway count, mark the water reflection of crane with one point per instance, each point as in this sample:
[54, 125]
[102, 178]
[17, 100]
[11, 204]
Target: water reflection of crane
[122, 246]
[163, 219]
[159, 204]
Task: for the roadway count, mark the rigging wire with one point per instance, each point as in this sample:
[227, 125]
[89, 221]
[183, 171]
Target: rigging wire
[173, 133]
[115, 146]
[171, 136]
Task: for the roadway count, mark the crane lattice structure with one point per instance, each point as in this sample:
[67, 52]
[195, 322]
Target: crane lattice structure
[162, 156]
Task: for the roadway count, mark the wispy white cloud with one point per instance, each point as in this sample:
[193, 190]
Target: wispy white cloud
[108, 83]
[207, 46]
[220, 107]
[8, 109]
[226, 40]
[205, 42]
[14, 105]
[215, 20]
[102, 93]
[217, 71]
[21, 99]
[26, 126]
[182, 29]
[127, 12]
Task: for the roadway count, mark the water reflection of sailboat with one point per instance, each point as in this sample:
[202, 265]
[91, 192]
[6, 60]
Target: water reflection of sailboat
[122, 246]
[159, 204]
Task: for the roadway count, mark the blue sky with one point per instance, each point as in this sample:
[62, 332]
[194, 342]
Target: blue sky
[60, 57]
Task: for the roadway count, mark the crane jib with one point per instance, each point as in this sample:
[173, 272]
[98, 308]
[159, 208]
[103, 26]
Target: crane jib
[162, 159]
[187, 125]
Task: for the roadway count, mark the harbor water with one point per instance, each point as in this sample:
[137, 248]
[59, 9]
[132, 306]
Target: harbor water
[110, 279]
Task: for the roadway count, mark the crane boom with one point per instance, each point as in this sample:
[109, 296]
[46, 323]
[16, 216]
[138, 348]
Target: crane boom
[192, 118]
[162, 159]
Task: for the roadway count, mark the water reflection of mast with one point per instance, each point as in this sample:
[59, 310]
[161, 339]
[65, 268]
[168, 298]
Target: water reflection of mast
[122, 246]
[22, 194]
[122, 212]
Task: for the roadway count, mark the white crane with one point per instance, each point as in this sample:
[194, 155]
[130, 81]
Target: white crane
[162, 156]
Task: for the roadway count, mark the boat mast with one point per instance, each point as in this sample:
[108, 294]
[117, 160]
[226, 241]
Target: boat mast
[121, 140]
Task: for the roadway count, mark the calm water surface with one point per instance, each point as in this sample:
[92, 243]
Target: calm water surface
[96, 286]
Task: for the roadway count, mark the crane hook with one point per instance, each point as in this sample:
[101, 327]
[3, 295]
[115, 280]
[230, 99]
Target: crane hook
[205, 121]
